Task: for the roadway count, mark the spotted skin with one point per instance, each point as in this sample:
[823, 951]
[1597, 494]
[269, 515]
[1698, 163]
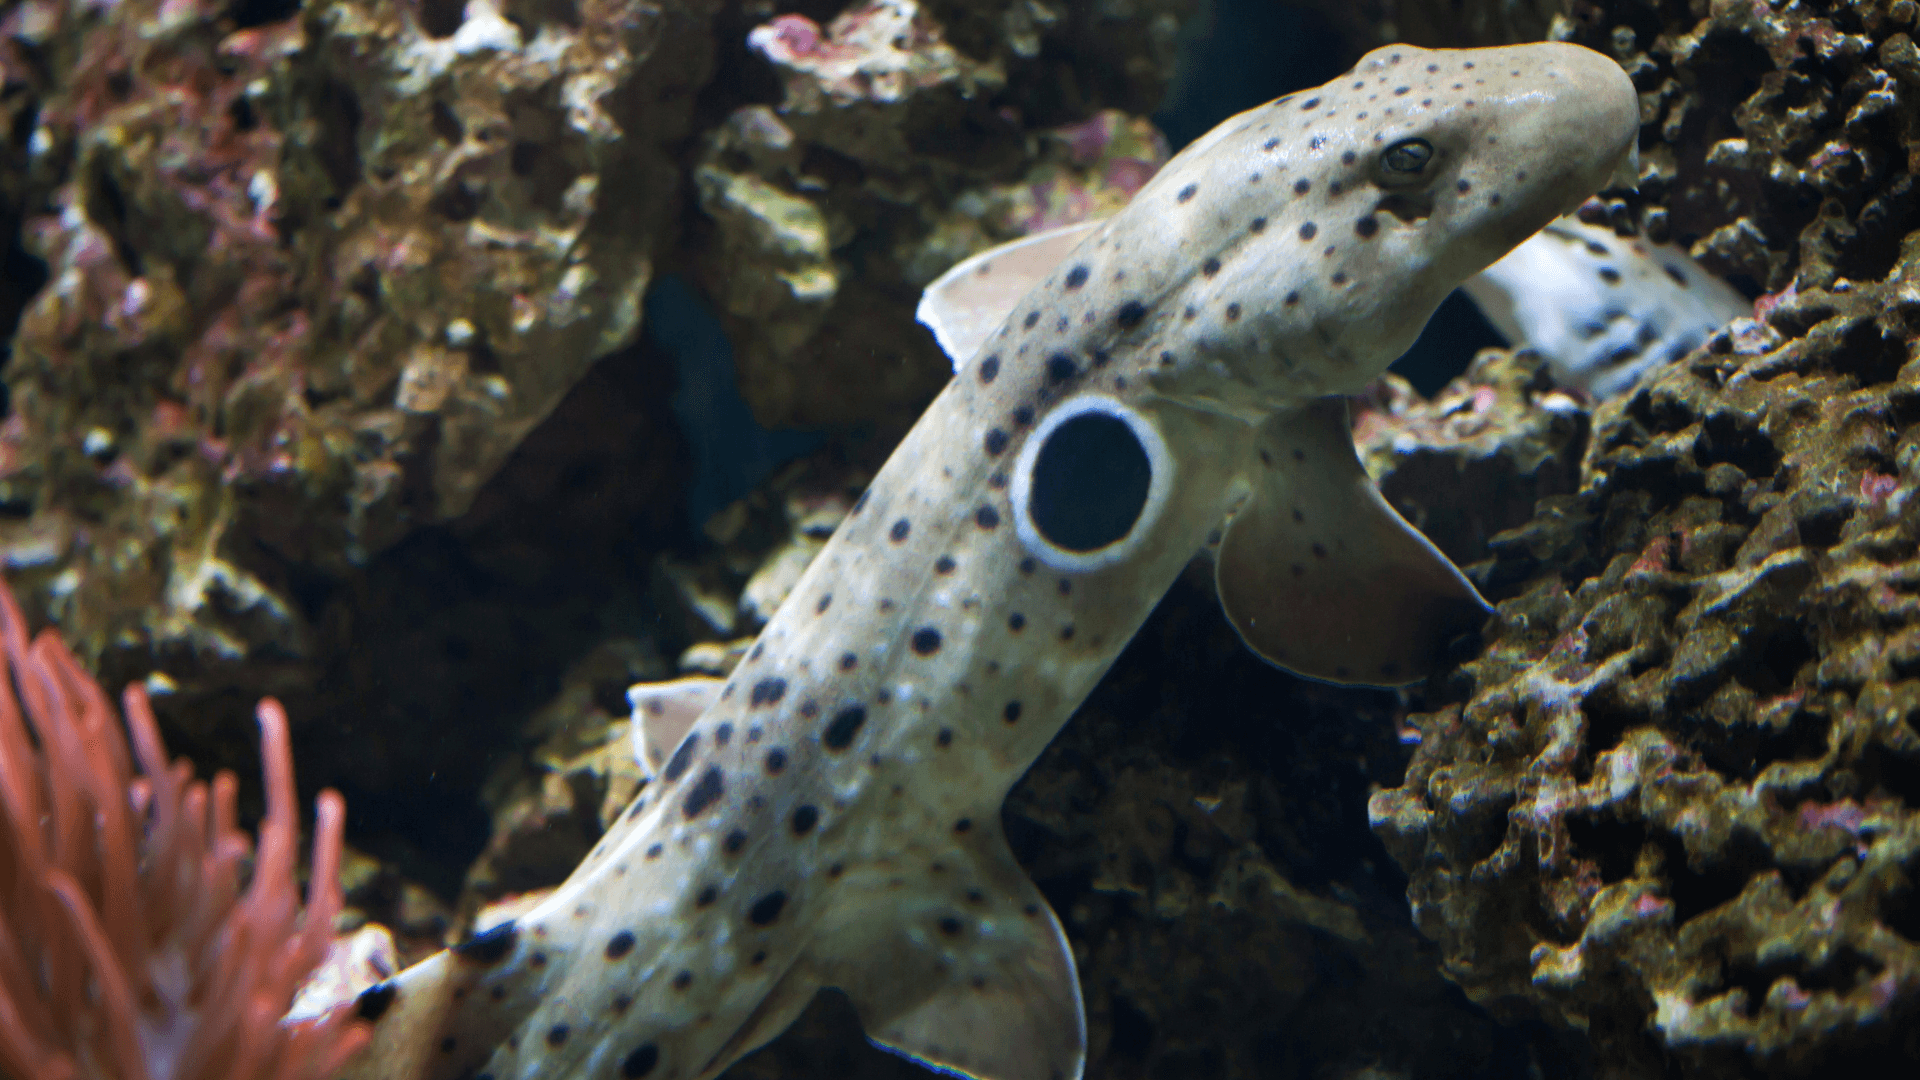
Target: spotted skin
[832, 819]
[1603, 309]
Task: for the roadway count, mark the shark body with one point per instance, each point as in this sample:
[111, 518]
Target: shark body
[831, 816]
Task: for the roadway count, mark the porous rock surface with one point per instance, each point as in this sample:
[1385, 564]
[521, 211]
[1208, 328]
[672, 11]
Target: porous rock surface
[313, 278]
[1675, 800]
[909, 134]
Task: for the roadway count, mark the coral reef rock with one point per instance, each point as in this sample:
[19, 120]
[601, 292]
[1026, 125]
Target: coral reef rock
[312, 282]
[1675, 800]
[909, 136]
[1678, 801]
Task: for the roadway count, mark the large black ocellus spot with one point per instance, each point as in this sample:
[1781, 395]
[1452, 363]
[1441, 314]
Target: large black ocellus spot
[1089, 483]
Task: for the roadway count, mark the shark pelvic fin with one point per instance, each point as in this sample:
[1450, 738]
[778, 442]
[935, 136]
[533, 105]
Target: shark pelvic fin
[663, 713]
[970, 301]
[973, 976]
[1322, 577]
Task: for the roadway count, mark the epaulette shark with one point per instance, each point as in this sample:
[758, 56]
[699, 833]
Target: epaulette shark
[830, 813]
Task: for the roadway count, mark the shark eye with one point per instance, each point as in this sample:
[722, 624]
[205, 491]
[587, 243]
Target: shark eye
[1407, 157]
[1089, 484]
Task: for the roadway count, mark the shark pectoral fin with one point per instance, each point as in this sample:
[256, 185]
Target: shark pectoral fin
[972, 299]
[775, 1013]
[1322, 577]
[972, 974]
[663, 713]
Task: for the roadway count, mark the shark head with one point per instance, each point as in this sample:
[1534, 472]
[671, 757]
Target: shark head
[1302, 245]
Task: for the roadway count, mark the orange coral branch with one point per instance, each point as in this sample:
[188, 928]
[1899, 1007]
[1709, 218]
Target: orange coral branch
[127, 947]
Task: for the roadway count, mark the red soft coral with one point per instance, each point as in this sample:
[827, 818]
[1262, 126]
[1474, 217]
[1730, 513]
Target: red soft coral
[127, 947]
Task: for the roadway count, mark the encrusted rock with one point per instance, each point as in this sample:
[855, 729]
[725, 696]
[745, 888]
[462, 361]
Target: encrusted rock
[909, 136]
[1677, 802]
[312, 281]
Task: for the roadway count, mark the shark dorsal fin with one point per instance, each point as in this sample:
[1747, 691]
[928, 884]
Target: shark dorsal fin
[663, 713]
[1322, 577]
[976, 295]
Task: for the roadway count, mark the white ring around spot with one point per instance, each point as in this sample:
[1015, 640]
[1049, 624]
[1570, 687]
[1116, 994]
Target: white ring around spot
[1159, 484]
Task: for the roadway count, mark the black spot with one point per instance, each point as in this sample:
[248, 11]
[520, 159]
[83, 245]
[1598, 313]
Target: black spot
[1346, 158]
[654, 851]
[848, 661]
[706, 897]
[640, 1062]
[824, 603]
[996, 442]
[489, 946]
[943, 565]
[777, 759]
[767, 908]
[1060, 368]
[1291, 299]
[804, 820]
[1101, 358]
[1310, 104]
[1089, 483]
[950, 926]
[1366, 227]
[1027, 565]
[987, 517]
[1011, 712]
[1131, 314]
[1186, 192]
[1065, 586]
[944, 739]
[963, 825]
[1609, 275]
[1270, 144]
[683, 980]
[1032, 317]
[925, 641]
[681, 758]
[899, 531]
[842, 728]
[1319, 550]
[705, 793]
[1340, 277]
[809, 708]
[1076, 277]
[767, 692]
[1673, 272]
[723, 734]
[557, 1035]
[1302, 186]
[447, 1044]
[1462, 185]
[989, 369]
[1307, 231]
[620, 945]
[1023, 416]
[1258, 224]
[1233, 312]
[374, 1001]
[1210, 267]
[735, 841]
[1066, 632]
[621, 1003]
[1016, 622]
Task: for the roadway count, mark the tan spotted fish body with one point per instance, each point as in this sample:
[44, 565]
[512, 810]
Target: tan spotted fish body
[833, 817]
